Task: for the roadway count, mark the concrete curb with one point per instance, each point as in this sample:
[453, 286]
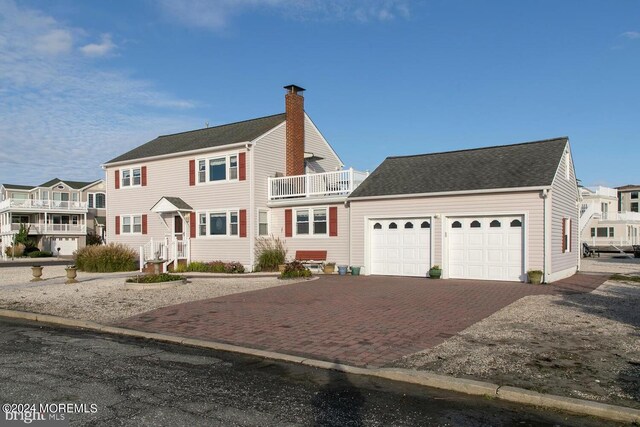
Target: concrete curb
[424, 378]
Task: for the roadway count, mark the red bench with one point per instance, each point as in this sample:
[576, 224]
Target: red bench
[312, 258]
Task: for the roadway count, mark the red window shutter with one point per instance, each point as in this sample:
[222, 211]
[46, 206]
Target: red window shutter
[242, 166]
[192, 225]
[144, 224]
[117, 223]
[564, 241]
[333, 221]
[143, 173]
[192, 172]
[288, 226]
[116, 177]
[243, 223]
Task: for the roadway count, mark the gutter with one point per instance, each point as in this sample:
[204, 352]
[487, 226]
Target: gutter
[452, 193]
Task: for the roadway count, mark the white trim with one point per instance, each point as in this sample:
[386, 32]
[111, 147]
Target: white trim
[548, 241]
[207, 214]
[444, 219]
[310, 201]
[227, 164]
[451, 193]
[563, 274]
[131, 184]
[188, 153]
[131, 216]
[367, 235]
[268, 211]
[324, 140]
[311, 234]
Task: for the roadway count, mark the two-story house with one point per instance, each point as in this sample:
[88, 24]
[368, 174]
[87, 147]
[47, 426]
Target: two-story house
[58, 214]
[208, 194]
[607, 220]
[489, 213]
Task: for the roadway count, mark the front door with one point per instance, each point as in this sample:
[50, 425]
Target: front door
[177, 227]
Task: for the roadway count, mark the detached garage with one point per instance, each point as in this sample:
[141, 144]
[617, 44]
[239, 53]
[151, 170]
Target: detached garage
[486, 214]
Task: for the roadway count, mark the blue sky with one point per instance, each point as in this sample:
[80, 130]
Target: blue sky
[84, 81]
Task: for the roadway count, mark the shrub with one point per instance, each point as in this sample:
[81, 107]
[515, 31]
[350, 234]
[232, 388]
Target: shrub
[30, 249]
[40, 254]
[93, 239]
[19, 250]
[270, 253]
[154, 278]
[212, 267]
[106, 258]
[295, 269]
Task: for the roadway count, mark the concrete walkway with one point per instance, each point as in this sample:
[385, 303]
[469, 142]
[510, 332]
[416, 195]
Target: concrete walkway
[362, 321]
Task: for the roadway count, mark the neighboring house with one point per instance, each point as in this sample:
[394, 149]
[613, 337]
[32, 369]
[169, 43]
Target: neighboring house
[208, 194]
[603, 224]
[488, 213]
[58, 213]
[628, 198]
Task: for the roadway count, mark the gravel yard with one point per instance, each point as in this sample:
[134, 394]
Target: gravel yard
[102, 297]
[580, 345]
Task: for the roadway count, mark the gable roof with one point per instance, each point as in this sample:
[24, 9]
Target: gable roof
[216, 136]
[530, 164]
[629, 187]
[17, 187]
[76, 185]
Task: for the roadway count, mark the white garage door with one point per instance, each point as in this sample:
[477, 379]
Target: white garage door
[67, 245]
[400, 247]
[487, 248]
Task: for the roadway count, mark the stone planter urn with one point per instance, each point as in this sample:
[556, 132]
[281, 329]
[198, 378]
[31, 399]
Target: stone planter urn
[535, 276]
[435, 272]
[36, 270]
[72, 273]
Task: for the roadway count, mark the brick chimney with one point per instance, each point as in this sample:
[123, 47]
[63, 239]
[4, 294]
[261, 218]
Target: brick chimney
[294, 108]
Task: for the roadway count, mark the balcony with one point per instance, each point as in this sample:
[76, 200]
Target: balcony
[601, 191]
[628, 216]
[317, 185]
[39, 228]
[39, 205]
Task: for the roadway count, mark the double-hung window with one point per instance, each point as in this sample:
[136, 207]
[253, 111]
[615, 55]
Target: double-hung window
[311, 222]
[218, 169]
[131, 224]
[221, 223]
[101, 199]
[263, 223]
[132, 177]
[90, 200]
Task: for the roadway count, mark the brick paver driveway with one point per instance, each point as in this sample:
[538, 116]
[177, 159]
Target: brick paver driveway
[363, 321]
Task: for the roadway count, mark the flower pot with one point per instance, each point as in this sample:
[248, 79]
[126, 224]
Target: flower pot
[329, 268]
[342, 270]
[355, 271]
[281, 267]
[36, 270]
[435, 273]
[535, 277]
[72, 273]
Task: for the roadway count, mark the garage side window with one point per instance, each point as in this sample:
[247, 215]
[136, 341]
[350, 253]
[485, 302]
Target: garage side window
[516, 223]
[425, 224]
[377, 226]
[408, 225]
[495, 224]
[475, 224]
[456, 224]
[393, 226]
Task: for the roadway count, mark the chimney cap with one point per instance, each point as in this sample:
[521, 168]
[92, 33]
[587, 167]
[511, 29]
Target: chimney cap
[294, 89]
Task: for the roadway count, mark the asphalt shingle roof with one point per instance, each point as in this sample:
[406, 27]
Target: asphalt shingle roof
[531, 164]
[178, 203]
[17, 187]
[73, 184]
[216, 136]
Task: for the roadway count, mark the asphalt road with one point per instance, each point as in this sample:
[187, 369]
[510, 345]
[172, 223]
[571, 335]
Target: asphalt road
[140, 383]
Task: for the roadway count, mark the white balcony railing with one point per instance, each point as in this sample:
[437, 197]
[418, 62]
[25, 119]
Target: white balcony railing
[629, 216]
[38, 204]
[603, 191]
[326, 184]
[39, 228]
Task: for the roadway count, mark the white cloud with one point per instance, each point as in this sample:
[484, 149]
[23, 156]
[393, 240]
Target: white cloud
[103, 48]
[215, 14]
[631, 35]
[55, 42]
[62, 116]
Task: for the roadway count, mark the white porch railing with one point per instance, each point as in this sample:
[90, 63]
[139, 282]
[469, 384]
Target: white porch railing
[38, 204]
[169, 250]
[39, 228]
[338, 183]
[629, 216]
[603, 191]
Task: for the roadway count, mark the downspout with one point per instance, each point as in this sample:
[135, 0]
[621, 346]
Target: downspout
[546, 236]
[348, 208]
[252, 209]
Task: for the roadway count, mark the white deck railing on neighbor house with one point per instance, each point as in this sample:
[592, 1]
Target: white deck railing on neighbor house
[38, 228]
[629, 216]
[38, 204]
[338, 183]
[603, 191]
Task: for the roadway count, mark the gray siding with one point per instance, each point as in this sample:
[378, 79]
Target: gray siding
[316, 144]
[170, 177]
[528, 203]
[564, 196]
[337, 247]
